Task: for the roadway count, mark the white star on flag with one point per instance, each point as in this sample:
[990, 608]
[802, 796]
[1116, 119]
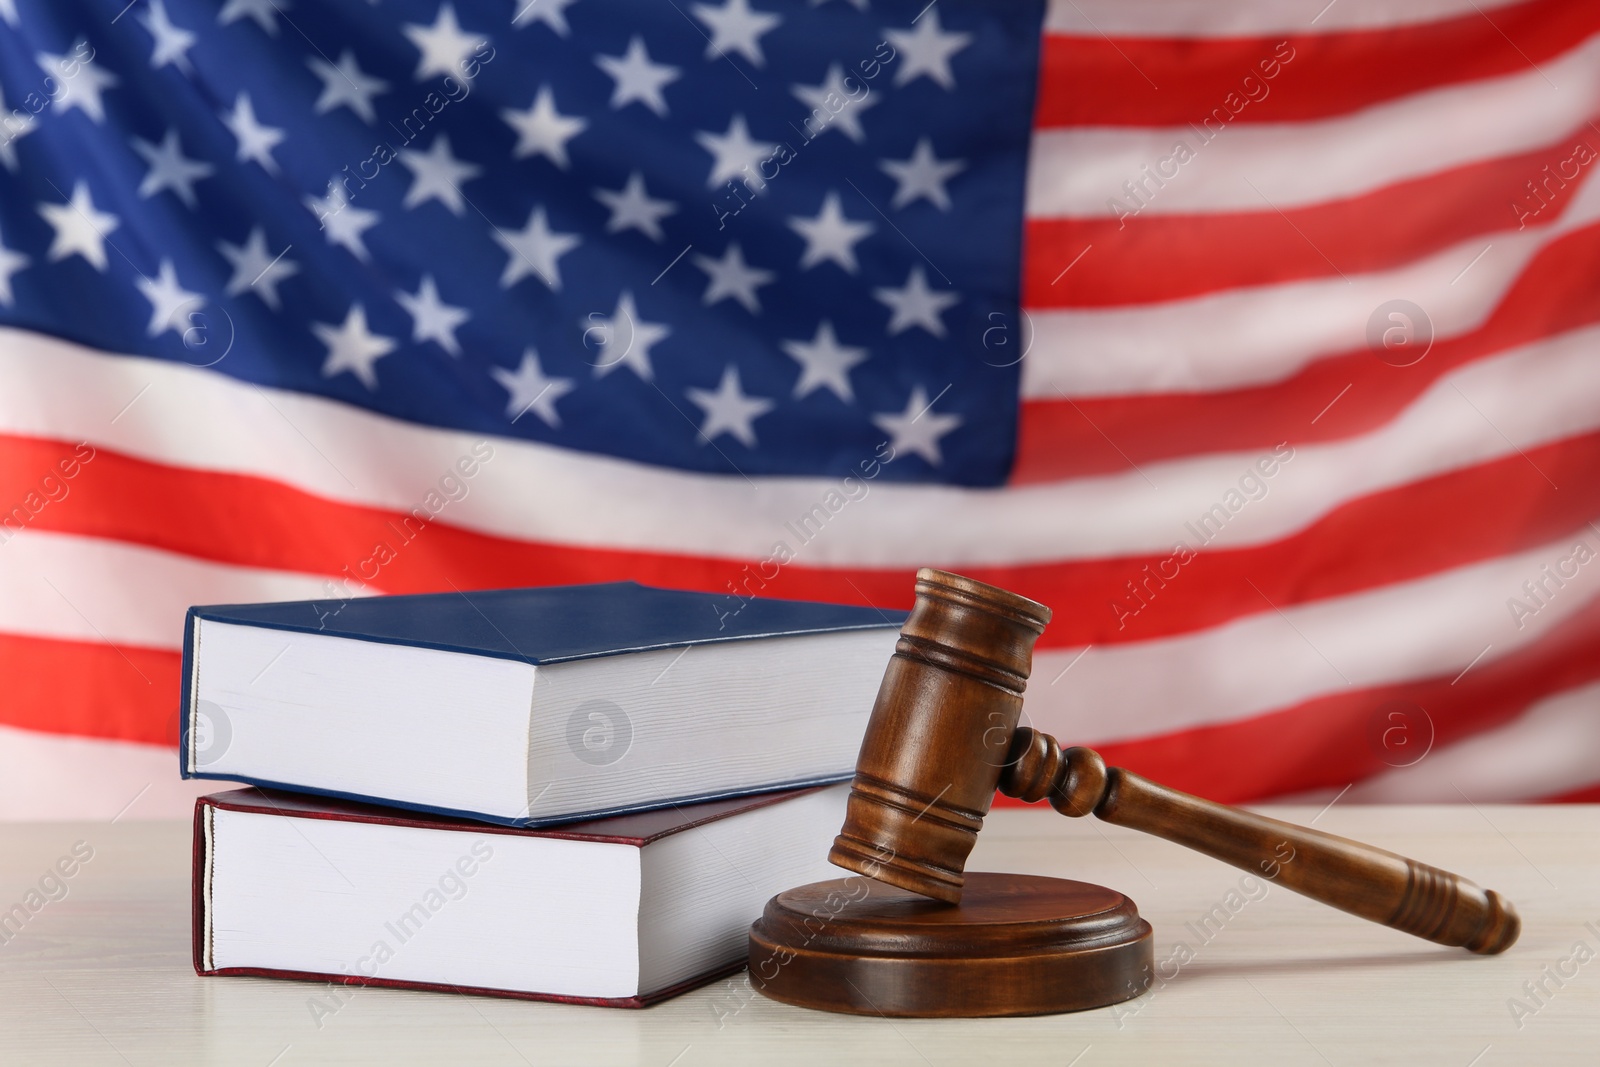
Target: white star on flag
[623, 340]
[167, 298]
[734, 154]
[342, 222]
[638, 78]
[916, 304]
[531, 390]
[254, 270]
[431, 318]
[918, 428]
[344, 85]
[17, 124]
[847, 119]
[542, 130]
[732, 277]
[172, 43]
[10, 263]
[437, 175]
[922, 176]
[824, 363]
[830, 236]
[534, 250]
[735, 27]
[263, 11]
[353, 347]
[728, 410]
[926, 51]
[256, 141]
[80, 228]
[84, 89]
[170, 170]
[445, 46]
[632, 208]
[552, 13]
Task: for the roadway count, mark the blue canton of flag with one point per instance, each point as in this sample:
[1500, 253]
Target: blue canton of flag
[741, 238]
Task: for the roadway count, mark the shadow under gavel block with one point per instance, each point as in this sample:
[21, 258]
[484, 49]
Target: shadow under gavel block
[920, 937]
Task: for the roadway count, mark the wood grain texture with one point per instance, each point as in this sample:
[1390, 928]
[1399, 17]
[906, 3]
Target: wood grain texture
[944, 734]
[1017, 944]
[939, 734]
[1373, 883]
[1245, 973]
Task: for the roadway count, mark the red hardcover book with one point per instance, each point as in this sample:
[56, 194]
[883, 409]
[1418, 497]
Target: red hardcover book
[621, 912]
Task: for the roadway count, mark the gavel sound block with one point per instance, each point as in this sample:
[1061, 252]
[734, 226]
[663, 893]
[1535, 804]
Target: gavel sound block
[919, 937]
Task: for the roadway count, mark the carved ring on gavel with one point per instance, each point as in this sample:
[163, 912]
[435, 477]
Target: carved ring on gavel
[926, 938]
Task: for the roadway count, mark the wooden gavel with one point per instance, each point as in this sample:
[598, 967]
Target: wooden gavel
[944, 735]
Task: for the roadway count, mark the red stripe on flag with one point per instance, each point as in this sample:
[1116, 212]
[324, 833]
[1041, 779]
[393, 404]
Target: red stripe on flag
[1095, 81]
[131, 694]
[257, 522]
[1148, 258]
[1586, 795]
[1329, 742]
[1405, 533]
[90, 689]
[1558, 291]
[1400, 534]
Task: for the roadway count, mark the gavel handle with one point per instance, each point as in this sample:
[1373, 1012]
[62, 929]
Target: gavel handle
[1365, 881]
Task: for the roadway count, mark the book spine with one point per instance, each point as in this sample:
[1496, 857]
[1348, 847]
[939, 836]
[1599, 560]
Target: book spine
[200, 860]
[185, 696]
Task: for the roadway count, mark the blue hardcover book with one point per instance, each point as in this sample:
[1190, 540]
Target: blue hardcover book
[531, 707]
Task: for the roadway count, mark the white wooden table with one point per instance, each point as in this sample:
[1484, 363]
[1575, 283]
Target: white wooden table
[102, 975]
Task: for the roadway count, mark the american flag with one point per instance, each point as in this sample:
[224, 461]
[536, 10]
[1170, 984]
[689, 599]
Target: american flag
[1256, 337]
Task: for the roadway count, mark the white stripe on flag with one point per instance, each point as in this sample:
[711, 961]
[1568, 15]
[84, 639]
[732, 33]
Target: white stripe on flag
[1552, 748]
[1262, 167]
[47, 776]
[1258, 663]
[90, 589]
[1437, 625]
[1249, 336]
[1484, 411]
[1241, 18]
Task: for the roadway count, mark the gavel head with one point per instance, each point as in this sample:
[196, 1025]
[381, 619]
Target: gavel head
[939, 735]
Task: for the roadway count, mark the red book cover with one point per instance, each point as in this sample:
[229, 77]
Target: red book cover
[637, 829]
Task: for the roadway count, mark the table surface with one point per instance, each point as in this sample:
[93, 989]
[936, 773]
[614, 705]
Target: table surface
[102, 975]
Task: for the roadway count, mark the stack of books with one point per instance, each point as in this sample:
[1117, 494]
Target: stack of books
[584, 793]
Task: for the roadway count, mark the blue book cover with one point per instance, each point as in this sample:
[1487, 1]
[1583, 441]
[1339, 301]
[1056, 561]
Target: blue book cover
[537, 626]
[550, 624]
